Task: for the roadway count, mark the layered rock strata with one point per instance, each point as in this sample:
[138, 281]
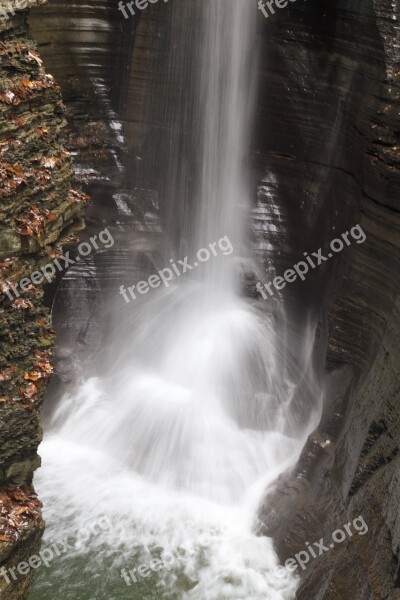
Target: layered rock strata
[326, 157]
[37, 211]
[337, 79]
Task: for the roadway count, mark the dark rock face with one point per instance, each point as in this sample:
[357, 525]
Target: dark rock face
[326, 154]
[38, 208]
[88, 48]
[338, 64]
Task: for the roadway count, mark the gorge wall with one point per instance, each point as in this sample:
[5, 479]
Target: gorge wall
[38, 211]
[326, 153]
[336, 82]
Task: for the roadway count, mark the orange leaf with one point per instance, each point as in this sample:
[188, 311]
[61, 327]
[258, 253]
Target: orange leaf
[32, 376]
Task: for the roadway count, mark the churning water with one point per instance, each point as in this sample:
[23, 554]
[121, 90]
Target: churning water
[197, 414]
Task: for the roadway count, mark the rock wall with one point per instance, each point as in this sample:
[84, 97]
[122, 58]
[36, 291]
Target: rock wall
[91, 65]
[325, 154]
[38, 210]
[340, 63]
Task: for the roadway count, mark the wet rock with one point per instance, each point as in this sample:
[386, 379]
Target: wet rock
[325, 157]
[341, 99]
[38, 209]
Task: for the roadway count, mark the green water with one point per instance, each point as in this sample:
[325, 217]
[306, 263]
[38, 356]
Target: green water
[83, 578]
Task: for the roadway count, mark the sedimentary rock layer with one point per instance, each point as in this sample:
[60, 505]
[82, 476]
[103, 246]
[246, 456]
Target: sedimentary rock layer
[337, 80]
[325, 157]
[37, 210]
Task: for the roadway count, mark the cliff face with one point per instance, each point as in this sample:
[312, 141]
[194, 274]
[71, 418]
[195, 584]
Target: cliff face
[37, 209]
[337, 78]
[326, 155]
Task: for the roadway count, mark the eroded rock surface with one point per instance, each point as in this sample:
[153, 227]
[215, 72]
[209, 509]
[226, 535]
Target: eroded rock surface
[325, 157]
[38, 209]
[340, 63]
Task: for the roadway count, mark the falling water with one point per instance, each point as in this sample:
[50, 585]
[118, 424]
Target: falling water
[197, 414]
[227, 64]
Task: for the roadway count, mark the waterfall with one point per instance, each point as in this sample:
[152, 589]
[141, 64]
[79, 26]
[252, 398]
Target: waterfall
[227, 63]
[177, 442]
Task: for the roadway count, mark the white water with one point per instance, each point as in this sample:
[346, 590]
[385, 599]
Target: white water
[227, 64]
[193, 420]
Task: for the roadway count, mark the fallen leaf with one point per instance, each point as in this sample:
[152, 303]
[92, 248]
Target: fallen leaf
[32, 376]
